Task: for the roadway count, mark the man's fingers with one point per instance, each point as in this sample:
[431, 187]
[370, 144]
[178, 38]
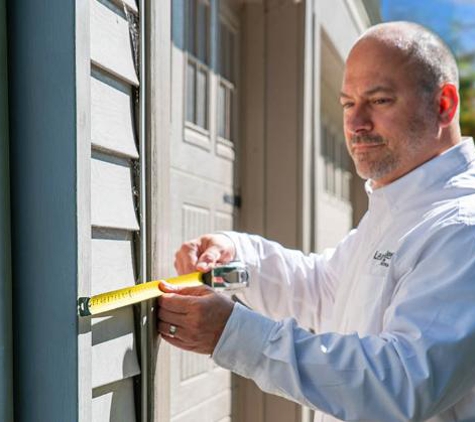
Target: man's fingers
[173, 302]
[209, 258]
[182, 299]
[174, 318]
[204, 253]
[186, 257]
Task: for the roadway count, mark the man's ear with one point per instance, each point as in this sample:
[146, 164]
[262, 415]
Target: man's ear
[448, 104]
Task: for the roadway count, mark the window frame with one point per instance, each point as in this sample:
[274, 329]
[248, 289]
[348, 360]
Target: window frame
[219, 12]
[227, 19]
[191, 56]
[336, 162]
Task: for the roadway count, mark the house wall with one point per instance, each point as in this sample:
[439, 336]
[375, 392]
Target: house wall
[74, 205]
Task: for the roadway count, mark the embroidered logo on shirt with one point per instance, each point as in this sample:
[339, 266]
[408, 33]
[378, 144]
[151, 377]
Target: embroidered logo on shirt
[383, 257]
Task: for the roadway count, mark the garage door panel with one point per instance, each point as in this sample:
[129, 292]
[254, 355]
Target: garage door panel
[192, 392]
[215, 409]
[198, 207]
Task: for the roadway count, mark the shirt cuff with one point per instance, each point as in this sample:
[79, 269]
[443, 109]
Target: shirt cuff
[244, 249]
[240, 346]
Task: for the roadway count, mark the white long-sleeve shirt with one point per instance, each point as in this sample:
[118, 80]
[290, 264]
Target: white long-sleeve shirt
[393, 307]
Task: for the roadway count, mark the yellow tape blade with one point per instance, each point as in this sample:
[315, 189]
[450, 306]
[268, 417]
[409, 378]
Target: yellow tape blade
[115, 299]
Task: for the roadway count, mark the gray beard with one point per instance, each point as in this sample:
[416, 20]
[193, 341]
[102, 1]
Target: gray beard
[377, 169]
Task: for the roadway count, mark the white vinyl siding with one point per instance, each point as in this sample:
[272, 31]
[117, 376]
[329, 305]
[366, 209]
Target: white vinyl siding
[112, 123]
[114, 199]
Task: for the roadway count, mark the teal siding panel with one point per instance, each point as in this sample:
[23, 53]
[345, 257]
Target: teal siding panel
[6, 385]
[42, 95]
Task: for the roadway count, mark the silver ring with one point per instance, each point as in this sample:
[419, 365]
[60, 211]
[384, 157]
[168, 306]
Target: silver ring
[172, 330]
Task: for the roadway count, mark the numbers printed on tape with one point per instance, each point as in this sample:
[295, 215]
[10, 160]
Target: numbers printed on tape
[128, 296]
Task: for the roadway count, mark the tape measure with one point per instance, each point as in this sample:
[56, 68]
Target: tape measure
[231, 276]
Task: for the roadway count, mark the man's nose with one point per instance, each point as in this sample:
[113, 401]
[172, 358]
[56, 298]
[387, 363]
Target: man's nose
[358, 120]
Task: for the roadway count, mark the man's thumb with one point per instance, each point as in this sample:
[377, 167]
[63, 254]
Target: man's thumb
[183, 290]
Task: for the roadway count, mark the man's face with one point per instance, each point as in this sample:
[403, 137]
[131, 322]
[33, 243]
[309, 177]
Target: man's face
[390, 126]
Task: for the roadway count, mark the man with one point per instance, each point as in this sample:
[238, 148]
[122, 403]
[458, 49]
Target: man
[393, 306]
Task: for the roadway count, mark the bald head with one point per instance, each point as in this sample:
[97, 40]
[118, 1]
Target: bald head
[431, 60]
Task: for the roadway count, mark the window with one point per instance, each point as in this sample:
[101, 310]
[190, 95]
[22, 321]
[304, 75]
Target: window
[226, 89]
[198, 63]
[345, 174]
[337, 174]
[329, 158]
[211, 74]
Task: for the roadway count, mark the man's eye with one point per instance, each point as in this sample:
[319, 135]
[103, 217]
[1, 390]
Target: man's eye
[347, 105]
[378, 101]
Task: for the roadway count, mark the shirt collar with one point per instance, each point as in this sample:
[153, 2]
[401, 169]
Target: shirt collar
[437, 170]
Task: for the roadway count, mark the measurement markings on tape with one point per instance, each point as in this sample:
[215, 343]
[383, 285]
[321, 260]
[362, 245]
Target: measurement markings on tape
[231, 276]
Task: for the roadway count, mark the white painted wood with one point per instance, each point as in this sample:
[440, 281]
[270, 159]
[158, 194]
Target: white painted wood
[114, 403]
[159, 189]
[199, 179]
[112, 124]
[111, 47]
[223, 221]
[112, 194]
[192, 365]
[114, 351]
[191, 393]
[214, 409]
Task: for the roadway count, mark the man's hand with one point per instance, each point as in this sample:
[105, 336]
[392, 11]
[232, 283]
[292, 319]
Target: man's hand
[193, 318]
[204, 253]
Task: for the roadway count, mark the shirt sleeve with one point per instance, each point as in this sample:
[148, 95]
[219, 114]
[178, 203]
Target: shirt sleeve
[422, 363]
[286, 282]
